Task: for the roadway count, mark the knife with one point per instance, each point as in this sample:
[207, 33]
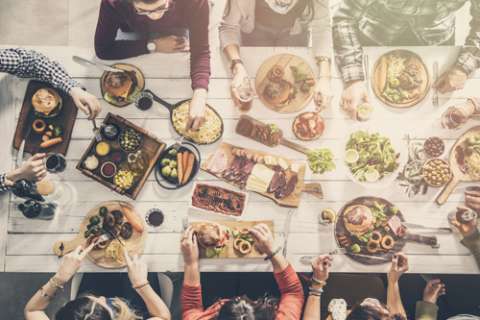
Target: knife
[115, 237]
[99, 65]
[21, 149]
[286, 232]
[419, 226]
[307, 260]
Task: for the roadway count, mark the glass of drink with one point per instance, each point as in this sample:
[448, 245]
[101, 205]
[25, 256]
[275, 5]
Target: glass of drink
[243, 95]
[454, 117]
[55, 163]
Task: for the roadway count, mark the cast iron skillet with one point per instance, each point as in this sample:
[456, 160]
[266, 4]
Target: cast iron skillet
[171, 107]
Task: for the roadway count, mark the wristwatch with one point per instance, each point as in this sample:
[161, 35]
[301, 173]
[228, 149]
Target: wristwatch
[151, 46]
[321, 59]
[234, 63]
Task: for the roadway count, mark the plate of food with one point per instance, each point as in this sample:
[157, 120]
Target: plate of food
[227, 239]
[121, 88]
[400, 79]
[210, 132]
[285, 83]
[274, 177]
[177, 166]
[115, 226]
[372, 159]
[308, 126]
[371, 230]
[211, 198]
[124, 157]
[46, 120]
[464, 162]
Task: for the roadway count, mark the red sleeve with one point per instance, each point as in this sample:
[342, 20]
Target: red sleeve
[291, 301]
[106, 47]
[198, 19]
[192, 305]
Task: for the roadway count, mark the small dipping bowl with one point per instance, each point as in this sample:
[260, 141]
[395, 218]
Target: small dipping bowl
[144, 101]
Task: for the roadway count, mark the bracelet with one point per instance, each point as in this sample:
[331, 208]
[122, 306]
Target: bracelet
[56, 283]
[234, 63]
[319, 282]
[274, 253]
[141, 286]
[314, 291]
[321, 59]
[44, 293]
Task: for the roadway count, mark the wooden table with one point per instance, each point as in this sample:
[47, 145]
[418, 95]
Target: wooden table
[27, 244]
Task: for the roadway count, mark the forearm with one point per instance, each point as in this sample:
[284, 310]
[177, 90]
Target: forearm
[279, 263]
[469, 58]
[41, 299]
[394, 300]
[232, 52]
[324, 68]
[155, 305]
[472, 242]
[312, 308]
[191, 275]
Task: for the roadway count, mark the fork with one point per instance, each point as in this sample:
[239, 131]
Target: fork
[96, 131]
[435, 91]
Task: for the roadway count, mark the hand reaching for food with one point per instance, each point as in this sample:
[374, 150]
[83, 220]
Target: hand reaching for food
[398, 267]
[354, 96]
[323, 94]
[86, 102]
[189, 246]
[453, 79]
[71, 263]
[197, 109]
[241, 87]
[171, 44]
[434, 289]
[456, 116]
[32, 170]
[137, 269]
[321, 267]
[263, 238]
[466, 229]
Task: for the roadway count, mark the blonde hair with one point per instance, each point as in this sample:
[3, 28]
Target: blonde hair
[123, 311]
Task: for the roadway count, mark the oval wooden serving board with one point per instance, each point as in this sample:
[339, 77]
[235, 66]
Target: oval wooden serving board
[457, 174]
[134, 245]
[284, 61]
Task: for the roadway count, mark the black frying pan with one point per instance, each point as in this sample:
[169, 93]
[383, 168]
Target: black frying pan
[171, 107]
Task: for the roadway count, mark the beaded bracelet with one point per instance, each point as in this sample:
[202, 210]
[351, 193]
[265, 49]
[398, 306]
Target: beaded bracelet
[274, 253]
[141, 286]
[56, 283]
[315, 292]
[319, 282]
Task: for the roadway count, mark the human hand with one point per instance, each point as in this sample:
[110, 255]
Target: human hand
[354, 94]
[472, 202]
[263, 238]
[137, 269]
[398, 267]
[71, 263]
[86, 102]
[189, 246]
[323, 93]
[198, 106]
[32, 170]
[321, 267]
[171, 44]
[434, 289]
[465, 229]
[451, 80]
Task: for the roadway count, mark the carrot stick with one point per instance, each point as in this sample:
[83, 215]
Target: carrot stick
[189, 168]
[180, 167]
[51, 142]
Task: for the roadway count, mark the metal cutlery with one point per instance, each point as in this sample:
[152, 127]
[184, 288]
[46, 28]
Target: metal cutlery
[20, 153]
[99, 65]
[419, 226]
[435, 91]
[286, 232]
[96, 131]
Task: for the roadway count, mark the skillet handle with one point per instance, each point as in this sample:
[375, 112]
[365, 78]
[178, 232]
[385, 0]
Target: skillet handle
[447, 190]
[164, 103]
[428, 240]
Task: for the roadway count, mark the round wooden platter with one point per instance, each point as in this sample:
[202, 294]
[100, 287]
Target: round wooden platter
[379, 76]
[285, 61]
[139, 84]
[457, 174]
[363, 257]
[134, 245]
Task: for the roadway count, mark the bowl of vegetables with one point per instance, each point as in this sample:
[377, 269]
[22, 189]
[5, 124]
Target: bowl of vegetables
[372, 159]
[177, 166]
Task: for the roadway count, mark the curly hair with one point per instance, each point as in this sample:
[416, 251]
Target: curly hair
[242, 308]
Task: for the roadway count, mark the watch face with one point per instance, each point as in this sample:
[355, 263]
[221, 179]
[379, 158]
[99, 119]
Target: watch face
[151, 46]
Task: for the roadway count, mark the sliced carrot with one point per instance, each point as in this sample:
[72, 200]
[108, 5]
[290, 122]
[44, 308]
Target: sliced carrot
[51, 142]
[189, 168]
[180, 167]
[133, 218]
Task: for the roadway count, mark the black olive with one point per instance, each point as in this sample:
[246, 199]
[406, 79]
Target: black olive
[103, 211]
[126, 231]
[109, 221]
[118, 216]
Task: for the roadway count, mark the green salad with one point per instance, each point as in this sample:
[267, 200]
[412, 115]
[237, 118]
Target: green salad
[370, 156]
[321, 160]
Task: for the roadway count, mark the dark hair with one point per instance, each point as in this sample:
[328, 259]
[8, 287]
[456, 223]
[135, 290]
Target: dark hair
[79, 308]
[144, 1]
[307, 14]
[242, 308]
[366, 312]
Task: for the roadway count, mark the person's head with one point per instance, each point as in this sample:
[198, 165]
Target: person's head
[96, 308]
[242, 308]
[372, 309]
[153, 9]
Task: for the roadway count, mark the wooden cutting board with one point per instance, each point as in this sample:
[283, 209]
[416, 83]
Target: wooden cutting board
[284, 61]
[134, 245]
[229, 252]
[66, 119]
[457, 175]
[293, 200]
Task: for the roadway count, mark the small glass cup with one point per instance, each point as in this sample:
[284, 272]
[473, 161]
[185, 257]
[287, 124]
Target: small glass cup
[243, 95]
[55, 163]
[154, 217]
